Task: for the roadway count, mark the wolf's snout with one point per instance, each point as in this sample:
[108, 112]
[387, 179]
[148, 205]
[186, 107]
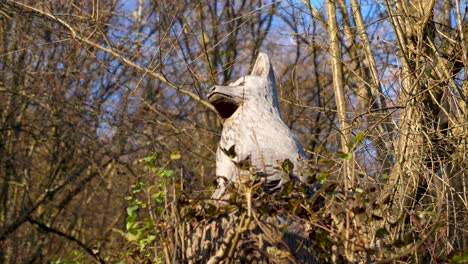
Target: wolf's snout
[212, 89]
[224, 100]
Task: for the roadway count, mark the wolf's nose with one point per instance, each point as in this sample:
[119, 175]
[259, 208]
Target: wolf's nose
[212, 89]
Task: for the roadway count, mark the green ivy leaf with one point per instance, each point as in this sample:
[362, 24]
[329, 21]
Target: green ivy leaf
[344, 155]
[159, 210]
[459, 257]
[131, 224]
[148, 159]
[244, 165]
[231, 152]
[158, 197]
[153, 156]
[287, 187]
[322, 177]
[130, 237]
[287, 166]
[357, 139]
[132, 209]
[165, 173]
[175, 155]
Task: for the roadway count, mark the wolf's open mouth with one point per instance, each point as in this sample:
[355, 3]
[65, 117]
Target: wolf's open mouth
[224, 104]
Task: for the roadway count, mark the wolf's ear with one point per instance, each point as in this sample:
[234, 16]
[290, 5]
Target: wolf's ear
[262, 66]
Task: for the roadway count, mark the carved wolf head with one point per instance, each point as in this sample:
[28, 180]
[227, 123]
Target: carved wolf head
[258, 87]
[253, 131]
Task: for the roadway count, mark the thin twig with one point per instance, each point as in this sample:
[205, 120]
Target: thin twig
[67, 236]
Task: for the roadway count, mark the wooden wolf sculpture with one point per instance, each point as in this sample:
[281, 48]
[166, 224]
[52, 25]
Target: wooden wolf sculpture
[253, 131]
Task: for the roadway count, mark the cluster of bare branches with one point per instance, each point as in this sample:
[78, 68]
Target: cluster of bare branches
[376, 92]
